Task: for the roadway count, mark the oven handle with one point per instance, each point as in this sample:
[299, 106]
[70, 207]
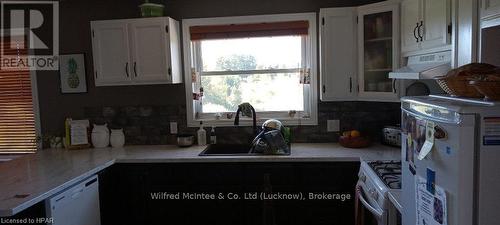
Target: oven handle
[378, 213]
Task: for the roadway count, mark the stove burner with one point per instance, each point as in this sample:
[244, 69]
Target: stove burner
[389, 172]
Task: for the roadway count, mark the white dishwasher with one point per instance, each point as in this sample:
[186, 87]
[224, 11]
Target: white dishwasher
[77, 205]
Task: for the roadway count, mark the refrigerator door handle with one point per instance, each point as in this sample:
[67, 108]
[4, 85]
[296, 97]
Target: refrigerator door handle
[376, 212]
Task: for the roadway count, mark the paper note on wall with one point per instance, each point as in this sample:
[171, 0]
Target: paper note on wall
[431, 208]
[429, 140]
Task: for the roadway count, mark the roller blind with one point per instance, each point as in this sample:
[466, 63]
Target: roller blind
[249, 30]
[17, 117]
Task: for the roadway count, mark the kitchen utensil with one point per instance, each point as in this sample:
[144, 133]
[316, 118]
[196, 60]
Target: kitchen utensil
[185, 140]
[391, 135]
[417, 89]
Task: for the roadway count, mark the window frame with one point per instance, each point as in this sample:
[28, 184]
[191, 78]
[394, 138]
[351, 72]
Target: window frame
[310, 53]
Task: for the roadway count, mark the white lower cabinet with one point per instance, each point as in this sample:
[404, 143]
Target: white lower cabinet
[359, 47]
[136, 51]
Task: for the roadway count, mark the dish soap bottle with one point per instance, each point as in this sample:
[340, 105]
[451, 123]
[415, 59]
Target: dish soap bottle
[213, 138]
[202, 135]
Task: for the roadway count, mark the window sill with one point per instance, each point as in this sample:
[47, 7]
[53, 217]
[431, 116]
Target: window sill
[246, 122]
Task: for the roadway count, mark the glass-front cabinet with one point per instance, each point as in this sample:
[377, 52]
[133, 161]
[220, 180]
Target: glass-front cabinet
[378, 42]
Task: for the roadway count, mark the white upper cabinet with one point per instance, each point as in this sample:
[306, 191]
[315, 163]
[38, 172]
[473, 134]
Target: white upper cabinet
[378, 51]
[338, 54]
[410, 21]
[425, 25]
[358, 48]
[490, 9]
[436, 28]
[136, 51]
[110, 44]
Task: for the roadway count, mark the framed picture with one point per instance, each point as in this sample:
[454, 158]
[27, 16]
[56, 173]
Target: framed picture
[72, 73]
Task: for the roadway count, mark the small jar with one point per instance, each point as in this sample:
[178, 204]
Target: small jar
[117, 138]
[100, 136]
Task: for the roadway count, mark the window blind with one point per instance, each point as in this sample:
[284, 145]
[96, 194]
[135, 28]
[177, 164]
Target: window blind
[249, 30]
[17, 117]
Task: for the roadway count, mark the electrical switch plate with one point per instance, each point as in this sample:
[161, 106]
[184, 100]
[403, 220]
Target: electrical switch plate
[332, 125]
[173, 127]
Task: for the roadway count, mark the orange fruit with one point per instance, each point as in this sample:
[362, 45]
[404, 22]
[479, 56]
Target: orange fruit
[355, 133]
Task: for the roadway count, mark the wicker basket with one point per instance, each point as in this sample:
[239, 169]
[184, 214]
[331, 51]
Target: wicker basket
[490, 89]
[458, 86]
[456, 81]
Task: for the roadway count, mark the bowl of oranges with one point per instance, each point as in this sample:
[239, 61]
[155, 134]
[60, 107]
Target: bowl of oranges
[354, 139]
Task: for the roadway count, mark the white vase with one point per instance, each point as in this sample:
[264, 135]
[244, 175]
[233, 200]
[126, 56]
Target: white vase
[117, 138]
[100, 136]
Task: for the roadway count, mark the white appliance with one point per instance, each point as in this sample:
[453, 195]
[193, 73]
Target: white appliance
[77, 205]
[376, 179]
[465, 158]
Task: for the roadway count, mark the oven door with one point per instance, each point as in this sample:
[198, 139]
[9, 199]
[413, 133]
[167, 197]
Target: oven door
[368, 212]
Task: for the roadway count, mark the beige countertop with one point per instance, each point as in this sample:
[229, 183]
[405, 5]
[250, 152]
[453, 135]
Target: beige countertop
[30, 179]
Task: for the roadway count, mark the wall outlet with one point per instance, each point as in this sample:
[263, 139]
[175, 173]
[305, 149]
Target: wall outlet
[173, 127]
[333, 125]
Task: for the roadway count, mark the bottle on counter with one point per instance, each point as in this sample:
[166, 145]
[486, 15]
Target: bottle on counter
[202, 135]
[213, 137]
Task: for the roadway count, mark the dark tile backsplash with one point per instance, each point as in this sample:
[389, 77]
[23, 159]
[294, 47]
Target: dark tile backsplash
[150, 124]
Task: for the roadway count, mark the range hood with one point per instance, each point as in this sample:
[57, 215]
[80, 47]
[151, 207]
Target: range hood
[424, 66]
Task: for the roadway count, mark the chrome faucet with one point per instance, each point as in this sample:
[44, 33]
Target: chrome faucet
[246, 109]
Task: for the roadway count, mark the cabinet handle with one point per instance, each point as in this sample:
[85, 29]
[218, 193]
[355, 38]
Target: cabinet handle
[135, 70]
[414, 34]
[420, 26]
[126, 69]
[350, 84]
[394, 85]
[169, 70]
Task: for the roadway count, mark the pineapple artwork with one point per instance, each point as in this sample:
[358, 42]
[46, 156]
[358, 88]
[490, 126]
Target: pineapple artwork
[73, 80]
[72, 73]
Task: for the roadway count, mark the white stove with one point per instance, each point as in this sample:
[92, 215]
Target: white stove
[376, 179]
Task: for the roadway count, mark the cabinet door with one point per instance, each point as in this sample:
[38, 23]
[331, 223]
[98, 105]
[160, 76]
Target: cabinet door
[490, 8]
[110, 44]
[410, 19]
[338, 54]
[150, 58]
[378, 45]
[436, 18]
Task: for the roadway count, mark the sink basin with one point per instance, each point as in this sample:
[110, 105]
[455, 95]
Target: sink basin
[230, 150]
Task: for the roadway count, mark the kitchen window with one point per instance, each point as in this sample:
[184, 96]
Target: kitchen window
[268, 61]
[18, 100]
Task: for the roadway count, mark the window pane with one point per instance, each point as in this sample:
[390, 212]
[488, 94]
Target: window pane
[251, 53]
[266, 92]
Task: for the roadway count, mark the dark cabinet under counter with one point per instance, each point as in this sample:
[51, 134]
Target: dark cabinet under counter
[229, 193]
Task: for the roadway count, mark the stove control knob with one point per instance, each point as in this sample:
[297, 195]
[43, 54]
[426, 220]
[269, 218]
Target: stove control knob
[362, 177]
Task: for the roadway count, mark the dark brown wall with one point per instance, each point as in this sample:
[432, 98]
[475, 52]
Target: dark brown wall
[75, 38]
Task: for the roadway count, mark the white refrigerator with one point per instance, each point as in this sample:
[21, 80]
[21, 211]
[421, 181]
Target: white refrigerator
[463, 161]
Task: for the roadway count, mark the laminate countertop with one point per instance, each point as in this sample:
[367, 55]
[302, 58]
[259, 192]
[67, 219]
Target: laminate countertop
[27, 180]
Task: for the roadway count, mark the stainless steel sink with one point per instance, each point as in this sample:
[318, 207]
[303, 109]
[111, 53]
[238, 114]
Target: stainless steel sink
[229, 150]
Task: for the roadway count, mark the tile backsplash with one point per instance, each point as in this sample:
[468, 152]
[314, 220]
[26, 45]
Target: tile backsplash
[150, 124]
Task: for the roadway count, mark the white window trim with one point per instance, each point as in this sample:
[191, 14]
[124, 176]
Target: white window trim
[311, 46]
